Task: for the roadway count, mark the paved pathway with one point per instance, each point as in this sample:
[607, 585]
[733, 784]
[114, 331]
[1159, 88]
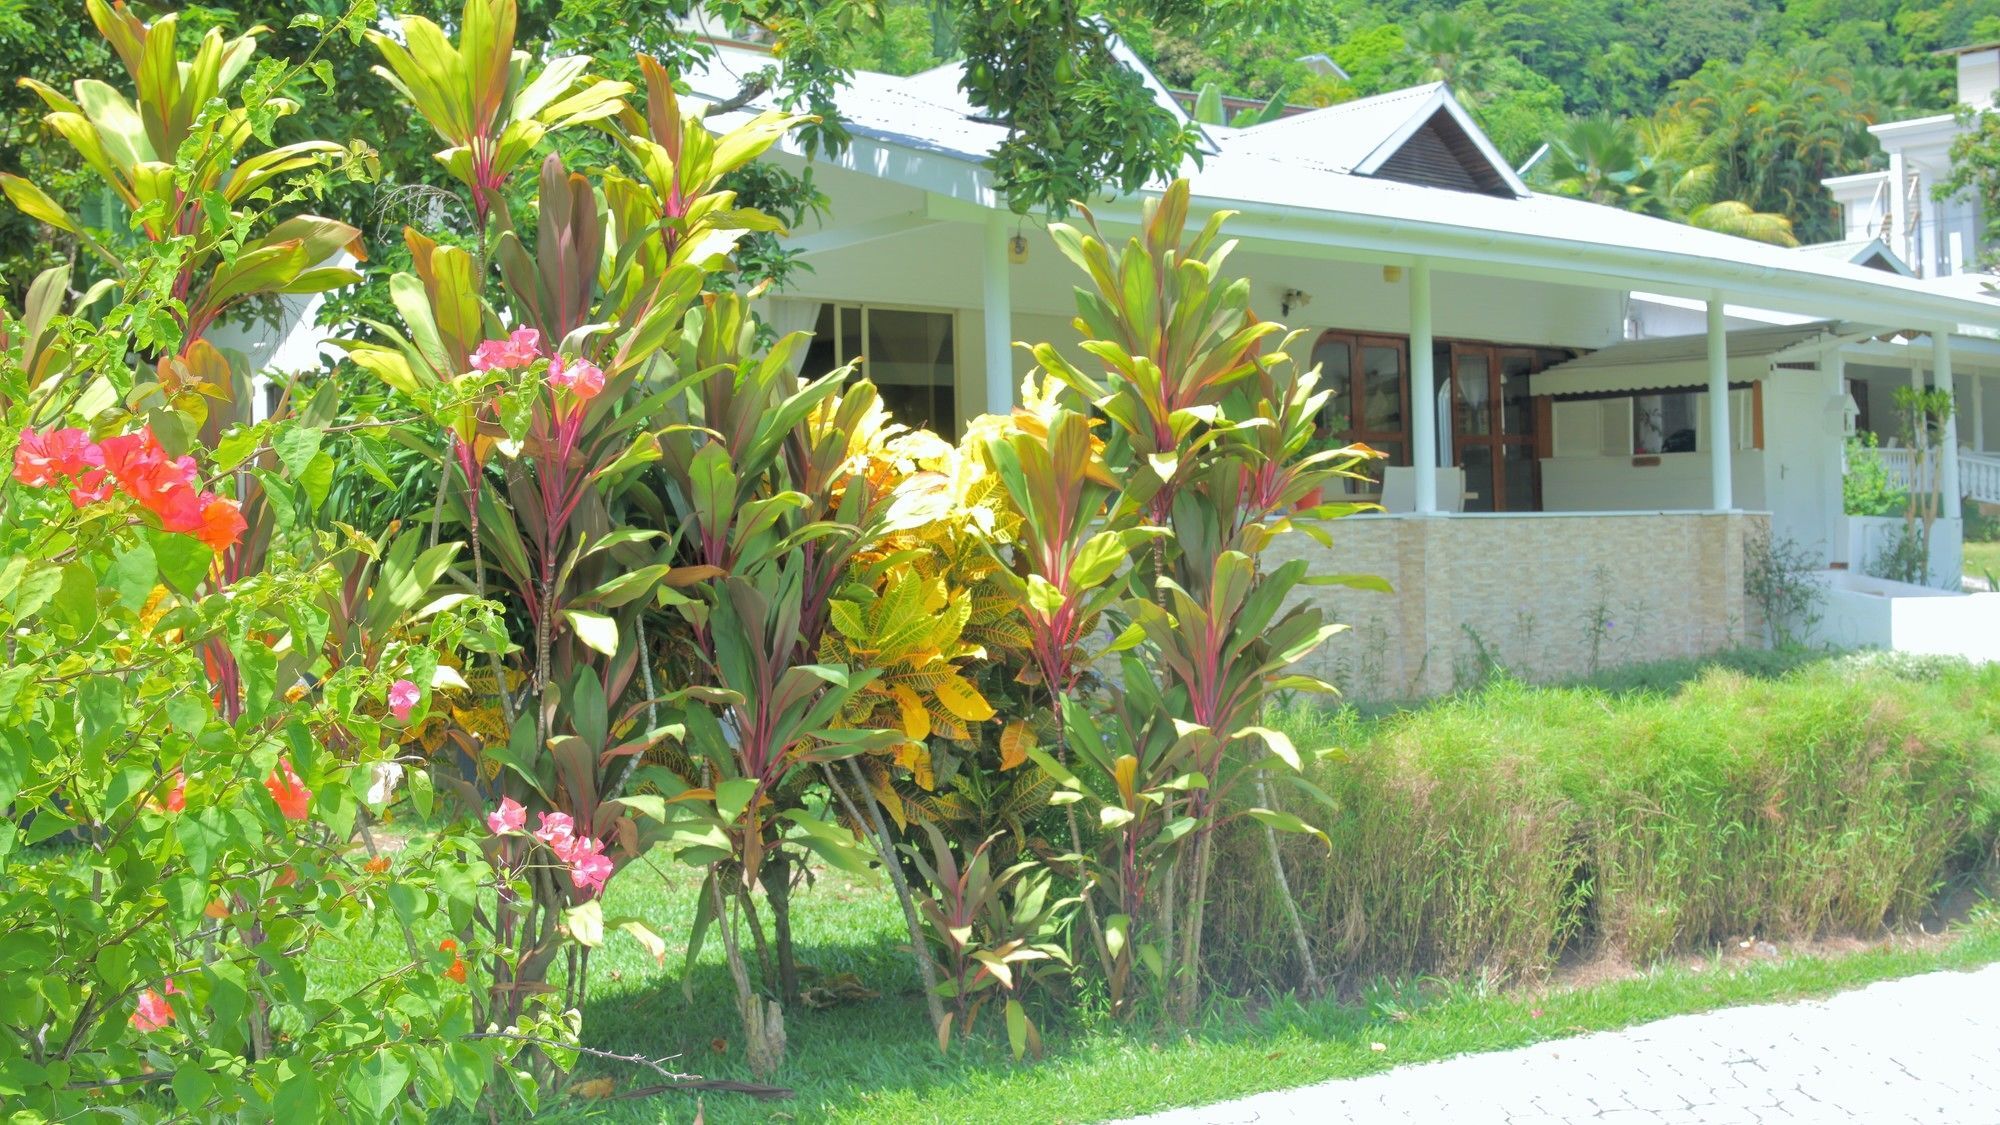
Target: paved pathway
[1921, 1050]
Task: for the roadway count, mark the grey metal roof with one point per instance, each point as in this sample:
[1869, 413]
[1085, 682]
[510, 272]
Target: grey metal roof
[1743, 343]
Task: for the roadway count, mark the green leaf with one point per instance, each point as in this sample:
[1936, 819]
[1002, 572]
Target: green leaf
[595, 630]
[132, 576]
[733, 796]
[101, 701]
[640, 931]
[376, 1083]
[1017, 1028]
[1044, 596]
[1286, 822]
[183, 560]
[296, 446]
[75, 601]
[1279, 743]
[586, 923]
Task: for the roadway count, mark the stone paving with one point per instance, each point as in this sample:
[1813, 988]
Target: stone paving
[1921, 1050]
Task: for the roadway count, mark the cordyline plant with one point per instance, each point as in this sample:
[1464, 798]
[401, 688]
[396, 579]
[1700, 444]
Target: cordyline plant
[617, 445]
[1211, 438]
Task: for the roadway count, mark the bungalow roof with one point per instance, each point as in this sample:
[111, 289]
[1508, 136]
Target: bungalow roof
[1304, 188]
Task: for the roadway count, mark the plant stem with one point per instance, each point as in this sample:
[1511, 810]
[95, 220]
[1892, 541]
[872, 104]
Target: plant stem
[878, 834]
[1285, 896]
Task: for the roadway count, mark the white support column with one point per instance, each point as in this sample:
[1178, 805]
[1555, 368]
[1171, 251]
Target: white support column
[1423, 391]
[1722, 486]
[1977, 389]
[1833, 510]
[999, 321]
[1948, 456]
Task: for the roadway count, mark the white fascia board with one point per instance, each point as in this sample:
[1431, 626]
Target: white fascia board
[1924, 132]
[1420, 116]
[1507, 253]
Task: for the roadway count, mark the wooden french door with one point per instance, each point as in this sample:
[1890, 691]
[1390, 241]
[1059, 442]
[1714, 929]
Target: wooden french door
[1493, 427]
[1368, 376]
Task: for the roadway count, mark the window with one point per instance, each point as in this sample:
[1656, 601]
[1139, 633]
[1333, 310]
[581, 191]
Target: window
[1651, 423]
[911, 355]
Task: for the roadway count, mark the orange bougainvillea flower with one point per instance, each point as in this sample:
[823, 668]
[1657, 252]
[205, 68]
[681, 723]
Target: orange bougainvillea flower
[288, 791]
[377, 865]
[457, 970]
[222, 523]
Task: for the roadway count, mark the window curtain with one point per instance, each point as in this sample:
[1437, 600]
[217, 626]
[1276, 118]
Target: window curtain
[787, 315]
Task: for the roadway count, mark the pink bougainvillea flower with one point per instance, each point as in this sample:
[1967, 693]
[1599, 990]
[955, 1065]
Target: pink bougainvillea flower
[154, 1012]
[91, 487]
[44, 458]
[509, 817]
[403, 697]
[589, 867]
[521, 347]
[222, 523]
[176, 798]
[288, 791]
[558, 831]
[581, 377]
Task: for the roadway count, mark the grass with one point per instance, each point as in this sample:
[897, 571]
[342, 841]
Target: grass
[873, 1062]
[1480, 840]
[1982, 559]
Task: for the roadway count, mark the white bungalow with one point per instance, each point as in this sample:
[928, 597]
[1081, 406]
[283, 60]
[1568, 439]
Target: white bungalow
[1562, 495]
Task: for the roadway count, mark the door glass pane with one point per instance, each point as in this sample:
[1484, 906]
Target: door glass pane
[1381, 389]
[1517, 465]
[1517, 413]
[1477, 461]
[823, 352]
[850, 335]
[910, 362]
[1475, 408]
[1332, 356]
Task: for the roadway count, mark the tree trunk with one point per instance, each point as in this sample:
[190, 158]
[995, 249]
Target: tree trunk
[777, 879]
[763, 1021]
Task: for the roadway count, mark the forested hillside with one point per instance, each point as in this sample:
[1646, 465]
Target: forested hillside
[1725, 113]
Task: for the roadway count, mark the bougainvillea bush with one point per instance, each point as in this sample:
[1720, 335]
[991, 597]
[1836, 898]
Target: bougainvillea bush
[666, 599]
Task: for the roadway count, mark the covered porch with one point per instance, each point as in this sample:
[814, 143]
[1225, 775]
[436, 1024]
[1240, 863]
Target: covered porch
[1434, 294]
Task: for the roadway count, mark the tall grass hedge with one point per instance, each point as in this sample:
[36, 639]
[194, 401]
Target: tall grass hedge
[1496, 832]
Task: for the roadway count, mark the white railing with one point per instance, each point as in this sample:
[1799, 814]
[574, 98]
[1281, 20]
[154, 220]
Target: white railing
[1978, 473]
[1902, 468]
[1979, 476]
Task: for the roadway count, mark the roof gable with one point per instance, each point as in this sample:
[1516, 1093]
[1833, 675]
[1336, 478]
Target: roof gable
[1419, 136]
[1441, 146]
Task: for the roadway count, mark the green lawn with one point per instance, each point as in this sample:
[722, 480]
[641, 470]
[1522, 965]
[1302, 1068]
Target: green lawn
[875, 1061]
[1982, 559]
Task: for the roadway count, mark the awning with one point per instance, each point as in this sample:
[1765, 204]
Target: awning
[1682, 361]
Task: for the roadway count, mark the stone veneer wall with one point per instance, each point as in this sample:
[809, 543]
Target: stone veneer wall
[1545, 595]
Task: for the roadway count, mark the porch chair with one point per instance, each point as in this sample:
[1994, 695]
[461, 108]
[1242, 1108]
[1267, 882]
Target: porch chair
[1399, 489]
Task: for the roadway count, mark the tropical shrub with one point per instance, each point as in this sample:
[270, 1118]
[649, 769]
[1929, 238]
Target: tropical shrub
[204, 691]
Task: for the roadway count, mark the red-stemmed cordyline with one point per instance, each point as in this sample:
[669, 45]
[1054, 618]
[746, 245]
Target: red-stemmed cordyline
[1210, 442]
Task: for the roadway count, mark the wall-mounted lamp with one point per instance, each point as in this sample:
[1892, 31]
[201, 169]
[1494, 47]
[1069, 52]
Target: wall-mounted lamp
[1392, 274]
[1293, 298]
[1017, 249]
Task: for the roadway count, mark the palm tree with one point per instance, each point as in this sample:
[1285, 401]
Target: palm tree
[1654, 167]
[1452, 49]
[1598, 158]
